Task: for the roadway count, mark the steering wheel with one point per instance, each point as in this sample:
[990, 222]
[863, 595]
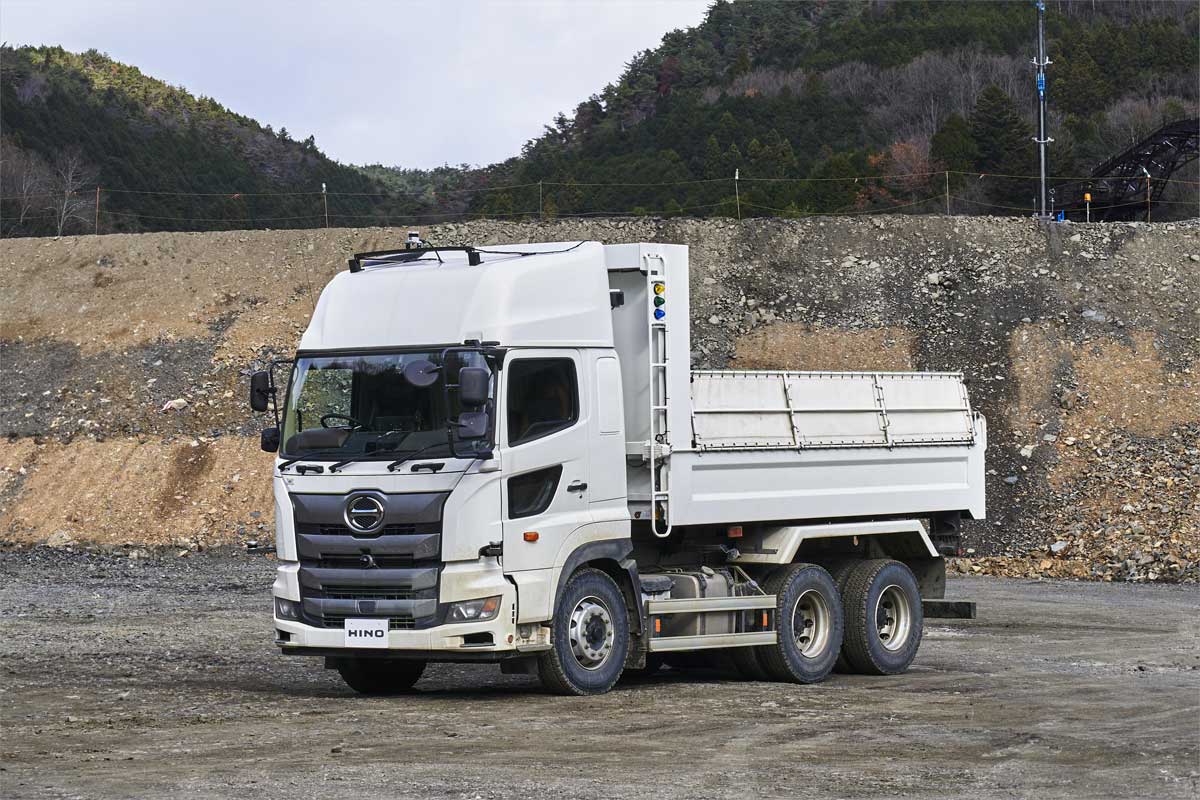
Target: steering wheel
[325, 421]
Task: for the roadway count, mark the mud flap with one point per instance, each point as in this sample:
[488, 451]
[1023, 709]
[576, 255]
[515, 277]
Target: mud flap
[948, 609]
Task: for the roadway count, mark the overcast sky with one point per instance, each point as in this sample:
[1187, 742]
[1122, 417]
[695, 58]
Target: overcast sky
[415, 84]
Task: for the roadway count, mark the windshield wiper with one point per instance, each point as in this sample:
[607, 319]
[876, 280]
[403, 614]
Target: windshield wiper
[413, 454]
[308, 455]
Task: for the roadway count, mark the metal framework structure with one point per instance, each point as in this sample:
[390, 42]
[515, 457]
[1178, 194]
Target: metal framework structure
[1118, 187]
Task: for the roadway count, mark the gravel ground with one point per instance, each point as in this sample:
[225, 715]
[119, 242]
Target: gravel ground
[157, 677]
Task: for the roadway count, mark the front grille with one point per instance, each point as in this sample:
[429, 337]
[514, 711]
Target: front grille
[392, 573]
[340, 562]
[394, 624]
[365, 593]
[386, 530]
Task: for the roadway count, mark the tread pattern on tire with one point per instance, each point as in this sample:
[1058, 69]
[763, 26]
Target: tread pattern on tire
[551, 669]
[840, 571]
[770, 656]
[860, 621]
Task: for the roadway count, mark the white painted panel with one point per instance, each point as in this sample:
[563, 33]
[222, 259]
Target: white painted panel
[608, 395]
[740, 410]
[731, 486]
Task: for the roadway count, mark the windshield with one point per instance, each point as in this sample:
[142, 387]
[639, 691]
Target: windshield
[364, 406]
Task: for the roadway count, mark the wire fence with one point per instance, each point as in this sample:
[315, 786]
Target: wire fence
[740, 201]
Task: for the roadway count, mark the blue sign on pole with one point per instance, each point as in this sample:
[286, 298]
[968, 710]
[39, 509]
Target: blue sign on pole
[1041, 84]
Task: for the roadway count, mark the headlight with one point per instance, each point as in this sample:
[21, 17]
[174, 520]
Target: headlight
[287, 609]
[475, 610]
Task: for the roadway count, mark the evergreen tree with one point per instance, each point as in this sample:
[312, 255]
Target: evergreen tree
[733, 160]
[758, 158]
[713, 158]
[1004, 146]
[953, 146]
[1003, 140]
[727, 129]
[1078, 85]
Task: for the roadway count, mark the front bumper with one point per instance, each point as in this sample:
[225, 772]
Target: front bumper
[468, 641]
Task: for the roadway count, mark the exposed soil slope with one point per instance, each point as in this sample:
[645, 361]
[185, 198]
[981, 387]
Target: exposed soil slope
[1080, 343]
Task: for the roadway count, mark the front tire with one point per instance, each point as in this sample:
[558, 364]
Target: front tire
[589, 636]
[883, 618]
[380, 676]
[809, 622]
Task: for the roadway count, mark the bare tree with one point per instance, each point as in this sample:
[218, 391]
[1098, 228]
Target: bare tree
[70, 175]
[24, 181]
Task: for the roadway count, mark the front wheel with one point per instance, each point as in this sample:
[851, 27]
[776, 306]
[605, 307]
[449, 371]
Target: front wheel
[380, 676]
[883, 617]
[589, 636]
[809, 622]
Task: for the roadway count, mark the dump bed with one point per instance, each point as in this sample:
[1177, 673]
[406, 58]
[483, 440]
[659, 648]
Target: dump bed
[731, 446]
[824, 445]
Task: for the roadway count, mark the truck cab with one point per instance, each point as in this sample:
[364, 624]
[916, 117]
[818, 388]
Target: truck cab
[502, 454]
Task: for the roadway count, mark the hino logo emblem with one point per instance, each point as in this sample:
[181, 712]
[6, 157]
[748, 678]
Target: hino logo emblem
[364, 513]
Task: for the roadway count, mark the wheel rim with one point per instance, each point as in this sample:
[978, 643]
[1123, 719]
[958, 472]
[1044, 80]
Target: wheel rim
[591, 633]
[810, 623]
[893, 617]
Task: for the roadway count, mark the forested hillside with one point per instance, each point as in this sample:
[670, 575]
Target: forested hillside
[809, 102]
[164, 158]
[830, 90]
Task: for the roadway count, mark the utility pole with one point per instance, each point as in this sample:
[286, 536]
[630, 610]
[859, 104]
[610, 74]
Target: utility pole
[97, 208]
[946, 174]
[325, 201]
[1042, 139]
[737, 198]
[541, 213]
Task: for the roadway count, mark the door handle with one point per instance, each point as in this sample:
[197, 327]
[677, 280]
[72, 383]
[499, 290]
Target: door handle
[577, 486]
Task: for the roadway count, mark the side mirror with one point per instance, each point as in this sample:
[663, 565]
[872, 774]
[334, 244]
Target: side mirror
[269, 440]
[473, 383]
[260, 390]
[472, 425]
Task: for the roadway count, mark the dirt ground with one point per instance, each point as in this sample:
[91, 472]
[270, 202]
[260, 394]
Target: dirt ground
[157, 678]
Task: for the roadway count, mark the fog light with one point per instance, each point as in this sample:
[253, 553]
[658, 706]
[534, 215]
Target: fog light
[287, 609]
[475, 610]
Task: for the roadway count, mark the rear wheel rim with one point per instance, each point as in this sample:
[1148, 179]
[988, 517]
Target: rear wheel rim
[591, 632]
[893, 617]
[811, 623]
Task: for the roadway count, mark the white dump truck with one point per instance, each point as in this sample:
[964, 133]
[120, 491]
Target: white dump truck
[503, 454]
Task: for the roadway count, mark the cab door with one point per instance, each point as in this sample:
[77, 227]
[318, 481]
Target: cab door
[544, 435]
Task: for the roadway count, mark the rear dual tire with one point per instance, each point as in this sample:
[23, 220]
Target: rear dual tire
[810, 624]
[880, 604]
[883, 618]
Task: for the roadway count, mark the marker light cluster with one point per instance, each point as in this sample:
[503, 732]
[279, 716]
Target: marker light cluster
[660, 289]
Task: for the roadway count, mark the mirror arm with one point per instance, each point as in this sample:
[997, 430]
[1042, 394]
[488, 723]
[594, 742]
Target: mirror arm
[273, 390]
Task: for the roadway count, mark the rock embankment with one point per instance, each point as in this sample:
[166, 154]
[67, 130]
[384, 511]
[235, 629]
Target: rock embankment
[125, 359]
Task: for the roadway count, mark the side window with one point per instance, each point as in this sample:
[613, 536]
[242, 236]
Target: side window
[531, 493]
[543, 397]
